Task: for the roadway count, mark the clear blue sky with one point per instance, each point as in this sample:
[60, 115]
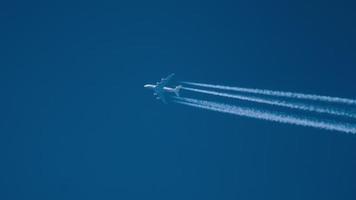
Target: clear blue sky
[76, 122]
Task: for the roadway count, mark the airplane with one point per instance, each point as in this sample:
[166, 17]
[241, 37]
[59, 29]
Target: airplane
[160, 88]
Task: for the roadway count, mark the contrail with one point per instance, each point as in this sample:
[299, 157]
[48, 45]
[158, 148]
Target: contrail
[268, 115]
[293, 105]
[279, 93]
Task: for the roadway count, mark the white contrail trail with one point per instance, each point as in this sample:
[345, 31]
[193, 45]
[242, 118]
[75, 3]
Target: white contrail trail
[293, 105]
[279, 93]
[268, 115]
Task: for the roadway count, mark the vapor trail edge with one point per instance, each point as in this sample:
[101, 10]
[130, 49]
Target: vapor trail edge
[277, 93]
[268, 115]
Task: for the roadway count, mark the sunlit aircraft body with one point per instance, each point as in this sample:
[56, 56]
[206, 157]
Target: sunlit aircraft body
[160, 88]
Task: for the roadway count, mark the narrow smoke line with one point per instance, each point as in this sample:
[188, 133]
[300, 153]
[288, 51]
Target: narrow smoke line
[293, 105]
[279, 93]
[268, 115]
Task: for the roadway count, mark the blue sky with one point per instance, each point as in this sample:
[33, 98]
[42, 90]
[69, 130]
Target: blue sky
[76, 122]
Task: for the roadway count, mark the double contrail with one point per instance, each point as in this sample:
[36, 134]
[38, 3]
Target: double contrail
[268, 115]
[333, 106]
[278, 93]
[276, 102]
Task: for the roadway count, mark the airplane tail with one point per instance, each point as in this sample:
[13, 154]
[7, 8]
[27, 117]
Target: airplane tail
[177, 90]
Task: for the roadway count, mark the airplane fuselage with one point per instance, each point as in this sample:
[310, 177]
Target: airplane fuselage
[165, 89]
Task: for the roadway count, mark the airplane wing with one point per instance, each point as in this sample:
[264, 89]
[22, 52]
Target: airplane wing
[163, 82]
[161, 96]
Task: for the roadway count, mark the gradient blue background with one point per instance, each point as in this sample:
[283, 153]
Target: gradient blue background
[76, 122]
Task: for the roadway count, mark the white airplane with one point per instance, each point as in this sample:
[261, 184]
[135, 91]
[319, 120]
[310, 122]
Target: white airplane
[160, 88]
